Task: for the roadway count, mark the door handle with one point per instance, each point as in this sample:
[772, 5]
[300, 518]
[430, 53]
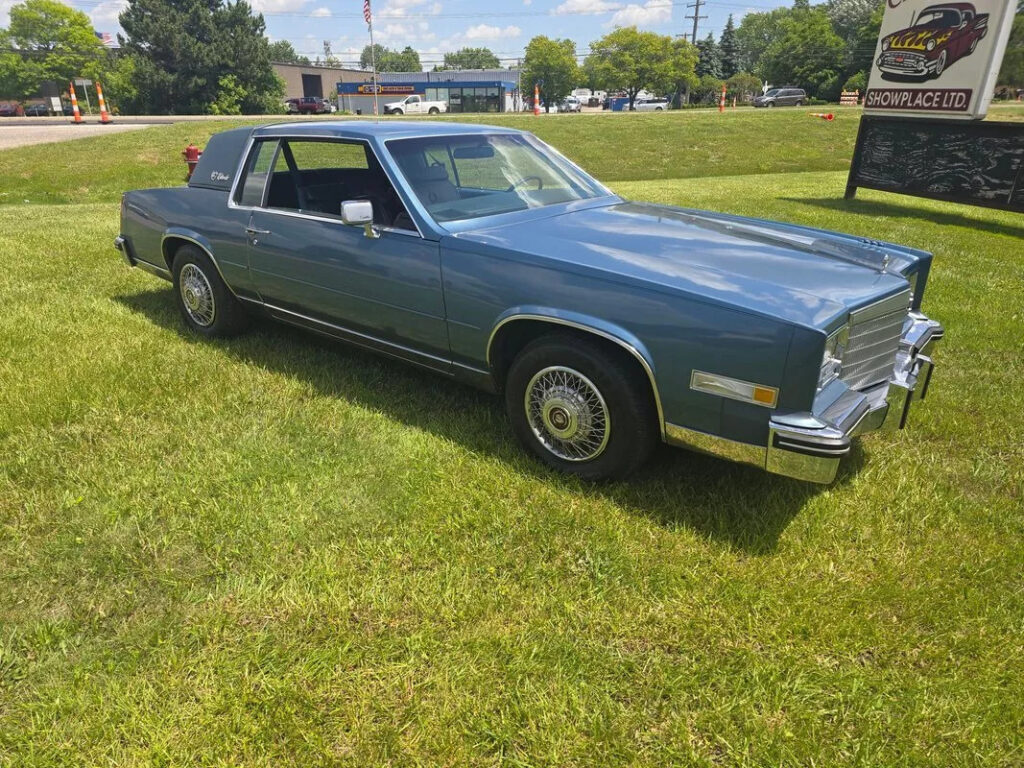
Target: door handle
[254, 231]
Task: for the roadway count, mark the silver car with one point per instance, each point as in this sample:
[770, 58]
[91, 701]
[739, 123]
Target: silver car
[650, 105]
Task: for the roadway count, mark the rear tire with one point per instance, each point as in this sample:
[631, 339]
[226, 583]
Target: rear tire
[434, 111]
[206, 304]
[581, 410]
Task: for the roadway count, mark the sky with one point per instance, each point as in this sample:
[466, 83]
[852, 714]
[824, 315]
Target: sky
[432, 27]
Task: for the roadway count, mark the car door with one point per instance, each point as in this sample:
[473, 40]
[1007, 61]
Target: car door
[310, 267]
[414, 105]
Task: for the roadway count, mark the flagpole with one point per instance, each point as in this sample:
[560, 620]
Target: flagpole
[373, 65]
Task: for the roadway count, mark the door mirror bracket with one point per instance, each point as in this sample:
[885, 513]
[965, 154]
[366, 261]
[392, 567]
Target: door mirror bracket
[359, 213]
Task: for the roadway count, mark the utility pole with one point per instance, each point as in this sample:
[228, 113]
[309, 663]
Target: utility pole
[696, 4]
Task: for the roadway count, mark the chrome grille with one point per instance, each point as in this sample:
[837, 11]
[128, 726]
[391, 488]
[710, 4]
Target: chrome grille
[875, 332]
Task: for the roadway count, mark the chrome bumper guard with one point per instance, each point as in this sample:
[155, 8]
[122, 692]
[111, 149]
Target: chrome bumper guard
[808, 446]
[121, 245]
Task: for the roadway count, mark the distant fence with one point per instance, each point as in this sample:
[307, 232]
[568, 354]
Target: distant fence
[978, 163]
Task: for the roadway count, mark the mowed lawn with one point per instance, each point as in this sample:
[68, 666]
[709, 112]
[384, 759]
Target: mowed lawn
[276, 550]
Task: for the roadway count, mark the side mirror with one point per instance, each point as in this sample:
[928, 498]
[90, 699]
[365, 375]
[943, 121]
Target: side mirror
[359, 213]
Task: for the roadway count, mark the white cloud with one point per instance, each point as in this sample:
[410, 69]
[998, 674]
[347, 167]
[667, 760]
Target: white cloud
[104, 16]
[487, 32]
[527, 2]
[585, 6]
[649, 14]
[400, 8]
[321, 13]
[278, 6]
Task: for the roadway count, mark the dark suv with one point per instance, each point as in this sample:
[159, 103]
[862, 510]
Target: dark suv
[782, 97]
[307, 105]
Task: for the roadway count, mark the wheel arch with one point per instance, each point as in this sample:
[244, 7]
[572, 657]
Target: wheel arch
[516, 328]
[175, 237]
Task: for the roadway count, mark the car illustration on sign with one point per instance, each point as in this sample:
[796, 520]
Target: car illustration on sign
[939, 36]
[606, 325]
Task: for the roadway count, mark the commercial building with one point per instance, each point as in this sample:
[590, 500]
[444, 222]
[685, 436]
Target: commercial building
[476, 90]
[306, 80]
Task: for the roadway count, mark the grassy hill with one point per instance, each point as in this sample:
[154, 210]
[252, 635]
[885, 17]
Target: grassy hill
[277, 550]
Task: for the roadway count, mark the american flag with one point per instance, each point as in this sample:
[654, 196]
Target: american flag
[366, 11]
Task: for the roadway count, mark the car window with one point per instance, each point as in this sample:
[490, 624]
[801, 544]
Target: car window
[261, 159]
[938, 17]
[310, 155]
[315, 176]
[465, 177]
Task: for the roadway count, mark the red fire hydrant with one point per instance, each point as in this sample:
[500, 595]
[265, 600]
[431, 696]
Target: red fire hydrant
[191, 154]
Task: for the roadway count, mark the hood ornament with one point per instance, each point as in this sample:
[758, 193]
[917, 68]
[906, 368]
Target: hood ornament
[885, 262]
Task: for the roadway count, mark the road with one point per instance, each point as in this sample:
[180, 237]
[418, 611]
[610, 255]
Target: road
[22, 134]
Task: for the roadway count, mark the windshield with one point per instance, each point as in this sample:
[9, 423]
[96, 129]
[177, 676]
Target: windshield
[938, 17]
[465, 177]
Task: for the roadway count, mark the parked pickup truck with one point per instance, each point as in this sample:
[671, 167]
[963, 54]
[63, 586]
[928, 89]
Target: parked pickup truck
[415, 105]
[607, 325]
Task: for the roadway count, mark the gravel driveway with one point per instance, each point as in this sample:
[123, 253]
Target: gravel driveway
[21, 135]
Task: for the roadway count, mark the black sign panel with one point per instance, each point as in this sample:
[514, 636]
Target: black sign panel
[978, 163]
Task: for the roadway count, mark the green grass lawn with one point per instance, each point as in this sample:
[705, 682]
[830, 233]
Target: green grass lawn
[277, 550]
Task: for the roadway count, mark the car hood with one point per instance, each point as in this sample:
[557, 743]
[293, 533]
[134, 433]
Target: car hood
[800, 275]
[916, 39]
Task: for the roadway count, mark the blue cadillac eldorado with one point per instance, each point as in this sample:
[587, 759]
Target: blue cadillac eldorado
[607, 325]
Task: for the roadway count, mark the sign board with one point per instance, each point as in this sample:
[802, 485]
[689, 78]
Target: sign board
[55, 105]
[387, 88]
[82, 81]
[938, 58]
[977, 163]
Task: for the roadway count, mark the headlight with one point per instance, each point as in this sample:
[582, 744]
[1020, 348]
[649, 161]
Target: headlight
[885, 44]
[832, 360]
[930, 45]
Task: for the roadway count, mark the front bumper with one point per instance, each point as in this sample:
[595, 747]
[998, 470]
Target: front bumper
[808, 446]
[911, 64]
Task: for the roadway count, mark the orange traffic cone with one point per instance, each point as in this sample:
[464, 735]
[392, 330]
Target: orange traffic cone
[823, 115]
[74, 106]
[104, 117]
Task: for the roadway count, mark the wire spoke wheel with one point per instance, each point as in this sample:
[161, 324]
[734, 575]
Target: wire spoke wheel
[567, 414]
[197, 295]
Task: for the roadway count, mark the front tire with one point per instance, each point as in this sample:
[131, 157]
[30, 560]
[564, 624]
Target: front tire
[206, 304]
[581, 410]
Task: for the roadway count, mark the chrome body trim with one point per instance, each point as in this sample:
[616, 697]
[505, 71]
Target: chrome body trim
[357, 338]
[168, 235]
[597, 332]
[121, 244]
[713, 445]
[809, 445]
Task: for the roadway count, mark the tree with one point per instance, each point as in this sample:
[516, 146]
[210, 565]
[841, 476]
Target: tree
[709, 61]
[47, 40]
[743, 85]
[471, 58]
[756, 32]
[1011, 74]
[284, 52]
[550, 64]
[387, 60]
[848, 16]
[181, 50]
[729, 49]
[632, 61]
[808, 53]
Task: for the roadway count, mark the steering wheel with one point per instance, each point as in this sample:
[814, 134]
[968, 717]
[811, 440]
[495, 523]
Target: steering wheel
[522, 181]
